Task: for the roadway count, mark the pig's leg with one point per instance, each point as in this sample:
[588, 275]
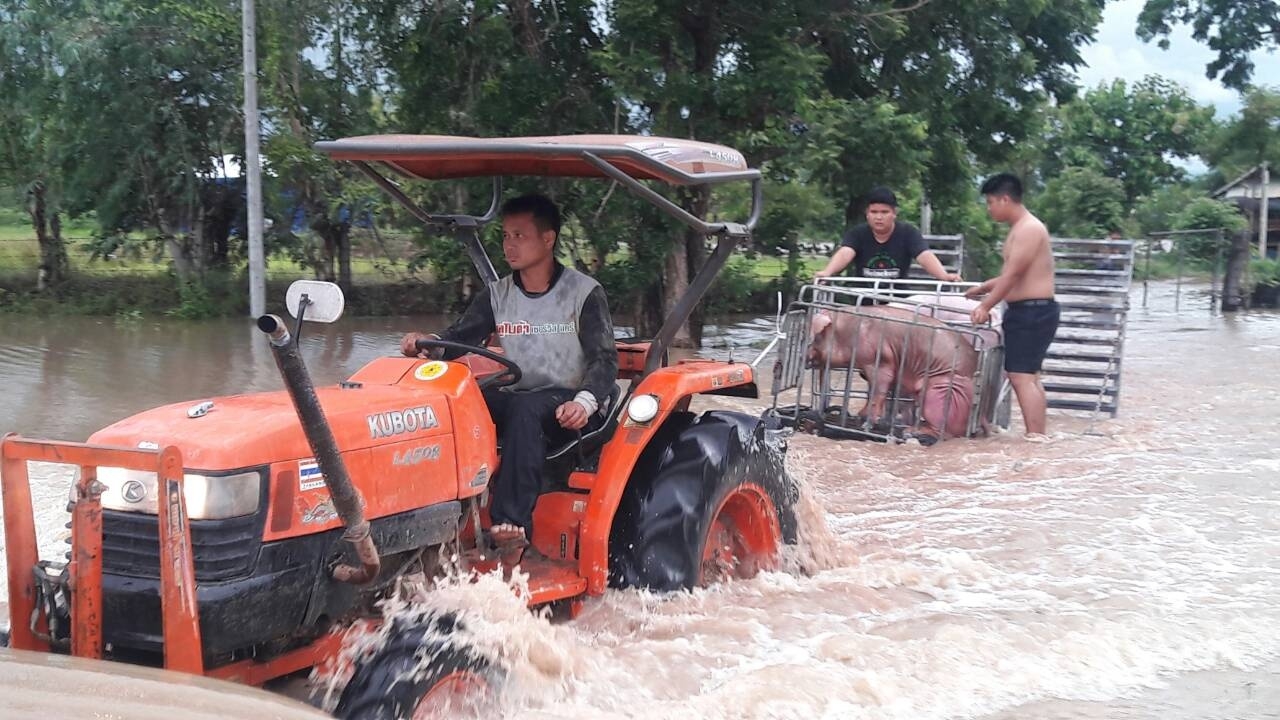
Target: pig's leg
[880, 379]
[947, 400]
[861, 415]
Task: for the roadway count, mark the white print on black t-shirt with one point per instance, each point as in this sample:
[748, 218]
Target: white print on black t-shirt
[882, 266]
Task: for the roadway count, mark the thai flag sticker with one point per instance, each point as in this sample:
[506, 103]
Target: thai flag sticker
[309, 475]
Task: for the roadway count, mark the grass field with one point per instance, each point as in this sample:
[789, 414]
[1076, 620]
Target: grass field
[766, 267]
[23, 261]
[19, 255]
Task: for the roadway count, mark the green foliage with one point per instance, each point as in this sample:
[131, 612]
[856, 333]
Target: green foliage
[1169, 265]
[196, 302]
[148, 84]
[1205, 213]
[1130, 134]
[982, 236]
[118, 106]
[1250, 138]
[1082, 203]
[1159, 210]
[31, 85]
[795, 212]
[318, 81]
[1234, 28]
[1265, 272]
[490, 68]
[975, 73]
[733, 288]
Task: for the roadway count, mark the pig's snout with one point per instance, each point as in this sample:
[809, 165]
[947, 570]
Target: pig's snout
[812, 357]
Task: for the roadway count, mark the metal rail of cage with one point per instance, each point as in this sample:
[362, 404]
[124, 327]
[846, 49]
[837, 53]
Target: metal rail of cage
[830, 390]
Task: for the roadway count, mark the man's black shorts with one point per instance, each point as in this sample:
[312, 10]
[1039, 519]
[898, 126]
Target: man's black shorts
[1029, 327]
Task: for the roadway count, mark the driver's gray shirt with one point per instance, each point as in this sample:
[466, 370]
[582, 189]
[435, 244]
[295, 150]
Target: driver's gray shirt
[533, 329]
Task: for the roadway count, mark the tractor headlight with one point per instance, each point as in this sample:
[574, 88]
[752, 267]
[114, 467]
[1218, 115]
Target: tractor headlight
[642, 408]
[209, 497]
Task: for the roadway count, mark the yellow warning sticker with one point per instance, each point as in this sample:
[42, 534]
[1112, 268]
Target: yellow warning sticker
[431, 370]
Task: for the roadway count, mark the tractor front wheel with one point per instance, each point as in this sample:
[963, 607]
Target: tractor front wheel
[420, 672]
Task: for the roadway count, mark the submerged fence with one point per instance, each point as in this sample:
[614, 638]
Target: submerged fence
[1176, 241]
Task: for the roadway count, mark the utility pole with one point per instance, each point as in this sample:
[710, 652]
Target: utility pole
[252, 165]
[1262, 210]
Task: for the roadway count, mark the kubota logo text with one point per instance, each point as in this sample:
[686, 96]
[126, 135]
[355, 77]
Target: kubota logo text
[397, 422]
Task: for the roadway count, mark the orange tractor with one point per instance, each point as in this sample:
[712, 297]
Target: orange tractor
[237, 536]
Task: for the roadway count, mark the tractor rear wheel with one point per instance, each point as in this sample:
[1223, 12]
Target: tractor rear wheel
[709, 500]
[421, 672]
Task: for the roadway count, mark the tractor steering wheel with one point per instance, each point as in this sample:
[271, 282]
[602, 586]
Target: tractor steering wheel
[496, 380]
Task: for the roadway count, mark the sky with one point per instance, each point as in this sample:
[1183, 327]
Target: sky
[1119, 53]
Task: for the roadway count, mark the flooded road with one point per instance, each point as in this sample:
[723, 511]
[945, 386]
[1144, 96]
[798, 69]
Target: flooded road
[1131, 573]
[65, 378]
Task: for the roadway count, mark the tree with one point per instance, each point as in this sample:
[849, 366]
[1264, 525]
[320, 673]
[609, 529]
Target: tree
[1232, 28]
[1250, 138]
[975, 76]
[150, 90]
[1207, 214]
[827, 98]
[494, 68]
[755, 76]
[320, 83]
[1130, 134]
[976, 73]
[30, 82]
[1157, 211]
[1082, 203]
[711, 70]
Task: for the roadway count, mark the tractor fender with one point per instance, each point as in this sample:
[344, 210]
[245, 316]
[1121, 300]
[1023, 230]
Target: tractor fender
[673, 387]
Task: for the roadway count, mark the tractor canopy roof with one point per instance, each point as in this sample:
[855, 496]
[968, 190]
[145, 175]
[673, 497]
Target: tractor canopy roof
[437, 157]
[625, 159]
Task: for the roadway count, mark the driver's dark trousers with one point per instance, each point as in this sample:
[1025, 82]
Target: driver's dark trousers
[526, 424]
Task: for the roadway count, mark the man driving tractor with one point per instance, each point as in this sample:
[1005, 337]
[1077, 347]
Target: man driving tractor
[554, 323]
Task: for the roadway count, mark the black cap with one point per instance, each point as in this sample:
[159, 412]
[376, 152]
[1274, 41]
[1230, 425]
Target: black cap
[882, 196]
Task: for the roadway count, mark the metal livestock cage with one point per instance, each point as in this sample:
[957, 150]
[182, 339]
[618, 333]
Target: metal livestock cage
[815, 394]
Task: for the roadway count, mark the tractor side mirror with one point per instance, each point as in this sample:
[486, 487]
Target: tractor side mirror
[324, 301]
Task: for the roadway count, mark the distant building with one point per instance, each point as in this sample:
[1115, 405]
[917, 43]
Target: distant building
[1247, 193]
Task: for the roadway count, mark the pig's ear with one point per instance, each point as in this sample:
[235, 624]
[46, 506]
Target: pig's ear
[821, 321]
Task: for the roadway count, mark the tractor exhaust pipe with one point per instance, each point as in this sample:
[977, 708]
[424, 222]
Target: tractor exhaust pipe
[346, 498]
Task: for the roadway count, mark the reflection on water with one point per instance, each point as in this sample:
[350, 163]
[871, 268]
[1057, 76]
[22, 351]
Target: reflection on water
[67, 377]
[1130, 573]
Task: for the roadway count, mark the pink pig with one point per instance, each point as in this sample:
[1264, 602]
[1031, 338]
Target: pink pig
[937, 364]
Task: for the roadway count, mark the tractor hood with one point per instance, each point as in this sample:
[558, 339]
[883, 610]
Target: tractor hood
[243, 431]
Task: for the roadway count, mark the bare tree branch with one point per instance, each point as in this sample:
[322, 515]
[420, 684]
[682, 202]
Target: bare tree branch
[897, 11]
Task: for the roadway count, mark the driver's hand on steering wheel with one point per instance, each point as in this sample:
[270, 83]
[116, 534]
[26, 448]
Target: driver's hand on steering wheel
[572, 415]
[409, 346]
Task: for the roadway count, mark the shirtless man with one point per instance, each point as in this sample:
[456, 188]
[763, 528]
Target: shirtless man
[1026, 283]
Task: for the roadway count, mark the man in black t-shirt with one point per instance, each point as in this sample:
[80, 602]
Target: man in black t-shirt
[882, 247]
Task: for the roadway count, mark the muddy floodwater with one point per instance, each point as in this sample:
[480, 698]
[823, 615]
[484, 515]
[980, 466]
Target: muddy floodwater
[1128, 569]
